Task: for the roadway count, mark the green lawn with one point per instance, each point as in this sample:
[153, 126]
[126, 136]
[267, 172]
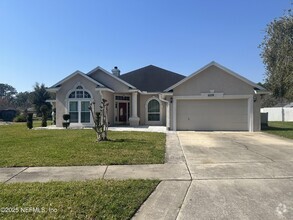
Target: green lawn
[22, 147]
[99, 199]
[284, 129]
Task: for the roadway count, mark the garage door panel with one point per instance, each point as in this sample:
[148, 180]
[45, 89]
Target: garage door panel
[230, 114]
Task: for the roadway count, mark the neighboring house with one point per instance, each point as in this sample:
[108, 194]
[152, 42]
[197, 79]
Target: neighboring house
[212, 98]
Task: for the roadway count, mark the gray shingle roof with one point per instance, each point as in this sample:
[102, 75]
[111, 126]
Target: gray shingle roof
[151, 78]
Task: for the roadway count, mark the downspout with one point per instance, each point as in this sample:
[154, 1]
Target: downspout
[167, 110]
[101, 94]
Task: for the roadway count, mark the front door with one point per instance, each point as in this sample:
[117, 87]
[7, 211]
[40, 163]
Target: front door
[122, 111]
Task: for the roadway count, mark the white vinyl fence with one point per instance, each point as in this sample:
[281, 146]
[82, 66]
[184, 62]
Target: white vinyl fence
[278, 113]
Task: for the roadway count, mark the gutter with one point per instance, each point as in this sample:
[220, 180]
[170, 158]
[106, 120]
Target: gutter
[101, 94]
[262, 92]
[161, 98]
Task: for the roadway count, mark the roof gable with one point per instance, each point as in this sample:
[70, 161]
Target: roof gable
[213, 63]
[58, 84]
[111, 75]
[151, 78]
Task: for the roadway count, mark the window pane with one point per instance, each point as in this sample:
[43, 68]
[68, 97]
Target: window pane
[74, 117]
[79, 94]
[72, 95]
[119, 97]
[73, 107]
[153, 117]
[85, 106]
[154, 106]
[79, 87]
[86, 95]
[85, 117]
[73, 111]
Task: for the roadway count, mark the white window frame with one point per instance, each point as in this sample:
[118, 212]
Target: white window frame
[79, 100]
[147, 112]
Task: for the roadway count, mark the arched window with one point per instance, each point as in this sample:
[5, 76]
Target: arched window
[78, 103]
[79, 93]
[153, 110]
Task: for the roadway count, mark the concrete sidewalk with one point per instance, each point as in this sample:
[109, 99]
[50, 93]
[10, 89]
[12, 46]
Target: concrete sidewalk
[174, 169]
[81, 173]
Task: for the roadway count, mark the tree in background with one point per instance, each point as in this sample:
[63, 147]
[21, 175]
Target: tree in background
[7, 91]
[7, 94]
[39, 97]
[268, 100]
[277, 54]
[23, 101]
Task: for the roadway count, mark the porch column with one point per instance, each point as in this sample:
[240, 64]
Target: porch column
[134, 120]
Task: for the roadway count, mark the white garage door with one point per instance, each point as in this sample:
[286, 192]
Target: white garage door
[217, 115]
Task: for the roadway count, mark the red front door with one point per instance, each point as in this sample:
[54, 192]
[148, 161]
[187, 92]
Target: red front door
[122, 112]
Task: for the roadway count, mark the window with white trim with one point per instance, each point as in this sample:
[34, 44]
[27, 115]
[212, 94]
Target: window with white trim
[78, 103]
[153, 110]
[79, 93]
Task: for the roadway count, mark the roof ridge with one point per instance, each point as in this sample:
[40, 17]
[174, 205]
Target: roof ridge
[151, 65]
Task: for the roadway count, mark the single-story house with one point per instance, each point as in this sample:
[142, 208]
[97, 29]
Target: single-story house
[212, 98]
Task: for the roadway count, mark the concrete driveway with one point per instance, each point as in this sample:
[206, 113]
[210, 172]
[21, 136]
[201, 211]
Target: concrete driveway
[237, 175]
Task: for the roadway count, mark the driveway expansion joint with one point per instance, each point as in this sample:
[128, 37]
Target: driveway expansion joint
[185, 160]
[184, 199]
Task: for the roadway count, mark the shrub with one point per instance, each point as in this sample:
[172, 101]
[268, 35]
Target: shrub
[66, 117]
[20, 118]
[44, 111]
[29, 120]
[8, 115]
[66, 122]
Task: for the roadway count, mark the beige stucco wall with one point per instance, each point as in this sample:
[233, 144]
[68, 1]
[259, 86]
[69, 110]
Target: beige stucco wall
[61, 95]
[142, 110]
[216, 79]
[110, 98]
[109, 81]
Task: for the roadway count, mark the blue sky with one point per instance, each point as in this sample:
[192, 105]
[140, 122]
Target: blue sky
[44, 41]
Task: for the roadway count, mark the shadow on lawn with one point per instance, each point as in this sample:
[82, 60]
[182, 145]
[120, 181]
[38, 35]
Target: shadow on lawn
[128, 140]
[269, 128]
